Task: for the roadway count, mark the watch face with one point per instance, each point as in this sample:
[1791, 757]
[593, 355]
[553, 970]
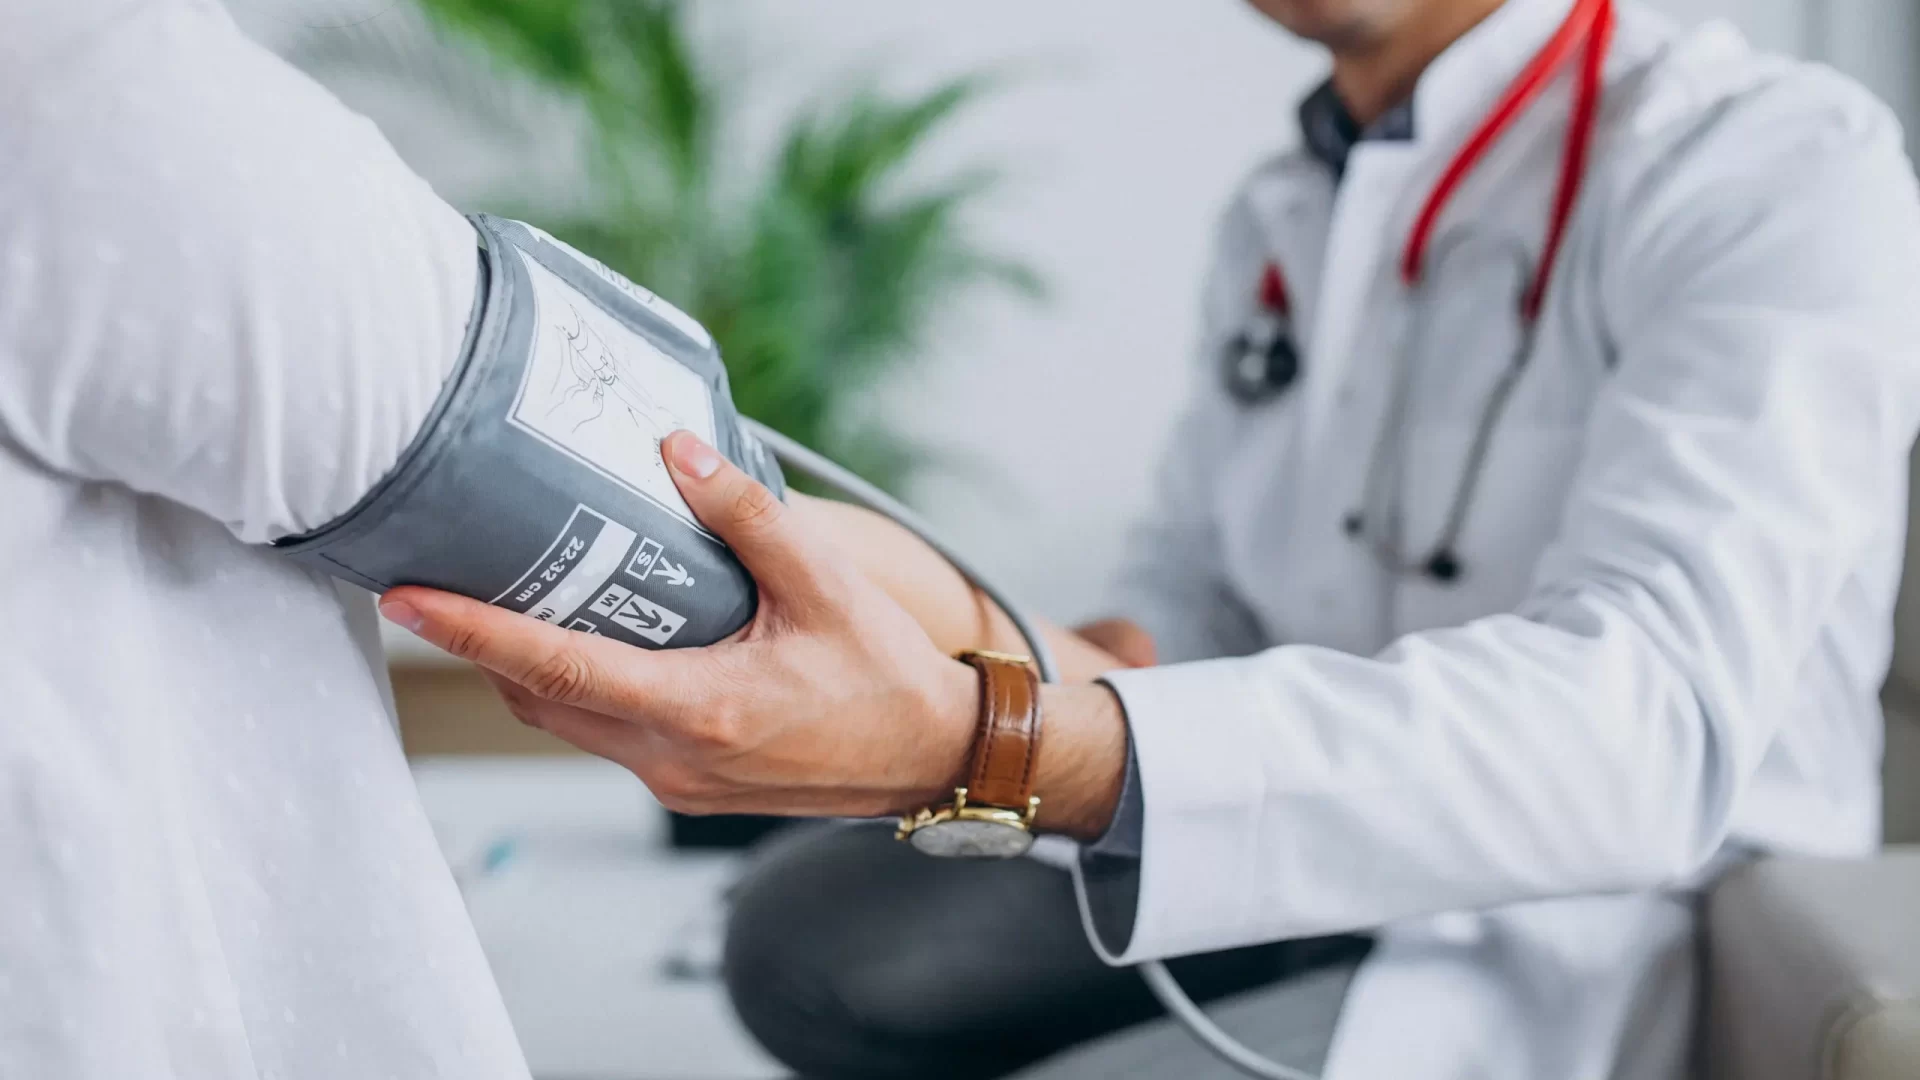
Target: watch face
[964, 839]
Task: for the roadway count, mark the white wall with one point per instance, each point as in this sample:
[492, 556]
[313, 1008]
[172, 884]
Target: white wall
[1876, 41]
[1130, 123]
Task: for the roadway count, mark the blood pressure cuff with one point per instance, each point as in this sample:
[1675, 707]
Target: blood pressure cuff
[537, 483]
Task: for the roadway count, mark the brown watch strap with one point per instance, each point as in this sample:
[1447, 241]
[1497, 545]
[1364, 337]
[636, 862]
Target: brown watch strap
[1009, 737]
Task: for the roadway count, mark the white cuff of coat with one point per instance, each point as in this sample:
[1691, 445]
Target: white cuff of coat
[1196, 729]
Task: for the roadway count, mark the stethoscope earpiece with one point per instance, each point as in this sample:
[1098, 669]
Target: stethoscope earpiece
[1443, 567]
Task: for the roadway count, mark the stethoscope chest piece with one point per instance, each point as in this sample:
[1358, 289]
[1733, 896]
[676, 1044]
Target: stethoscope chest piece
[1443, 566]
[1262, 366]
[1263, 360]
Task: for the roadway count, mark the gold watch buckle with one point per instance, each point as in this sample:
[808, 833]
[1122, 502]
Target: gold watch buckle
[960, 811]
[989, 654]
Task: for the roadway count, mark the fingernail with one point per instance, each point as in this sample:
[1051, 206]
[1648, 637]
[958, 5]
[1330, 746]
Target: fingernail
[402, 613]
[694, 457]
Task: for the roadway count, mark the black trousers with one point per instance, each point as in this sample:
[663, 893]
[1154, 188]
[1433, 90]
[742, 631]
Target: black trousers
[851, 956]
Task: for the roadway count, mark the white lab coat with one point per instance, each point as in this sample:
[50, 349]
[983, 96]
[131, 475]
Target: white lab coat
[1679, 570]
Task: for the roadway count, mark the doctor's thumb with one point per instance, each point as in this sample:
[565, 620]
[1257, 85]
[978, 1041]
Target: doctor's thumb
[744, 514]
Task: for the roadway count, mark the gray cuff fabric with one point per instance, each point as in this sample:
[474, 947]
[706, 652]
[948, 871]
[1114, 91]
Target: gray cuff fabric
[1110, 866]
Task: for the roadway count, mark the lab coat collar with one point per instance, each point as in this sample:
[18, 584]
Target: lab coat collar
[1329, 131]
[1462, 83]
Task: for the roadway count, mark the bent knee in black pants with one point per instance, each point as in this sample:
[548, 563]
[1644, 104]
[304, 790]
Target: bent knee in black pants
[852, 956]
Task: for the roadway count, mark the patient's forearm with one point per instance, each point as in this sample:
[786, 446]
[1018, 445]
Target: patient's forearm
[953, 613]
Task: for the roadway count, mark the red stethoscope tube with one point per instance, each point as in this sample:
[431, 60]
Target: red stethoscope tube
[1590, 23]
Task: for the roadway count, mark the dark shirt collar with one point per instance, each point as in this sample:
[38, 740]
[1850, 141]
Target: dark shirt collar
[1331, 132]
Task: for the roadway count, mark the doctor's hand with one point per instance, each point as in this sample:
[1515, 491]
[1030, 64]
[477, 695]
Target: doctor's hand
[947, 606]
[832, 702]
[1123, 639]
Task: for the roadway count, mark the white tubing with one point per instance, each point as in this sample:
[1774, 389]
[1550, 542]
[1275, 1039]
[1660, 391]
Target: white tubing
[1158, 978]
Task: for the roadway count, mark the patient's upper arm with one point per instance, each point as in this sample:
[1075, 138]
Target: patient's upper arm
[217, 284]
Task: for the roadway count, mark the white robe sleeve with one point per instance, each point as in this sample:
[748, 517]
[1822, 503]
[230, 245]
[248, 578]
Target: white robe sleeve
[1764, 302]
[217, 284]
[1172, 578]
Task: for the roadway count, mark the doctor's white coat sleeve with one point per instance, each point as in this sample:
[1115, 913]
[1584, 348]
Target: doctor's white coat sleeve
[1752, 444]
[1172, 578]
[217, 284]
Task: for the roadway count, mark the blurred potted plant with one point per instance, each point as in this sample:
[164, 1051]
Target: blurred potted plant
[818, 271]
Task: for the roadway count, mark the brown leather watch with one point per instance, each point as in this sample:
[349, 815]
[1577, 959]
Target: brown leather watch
[992, 817]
